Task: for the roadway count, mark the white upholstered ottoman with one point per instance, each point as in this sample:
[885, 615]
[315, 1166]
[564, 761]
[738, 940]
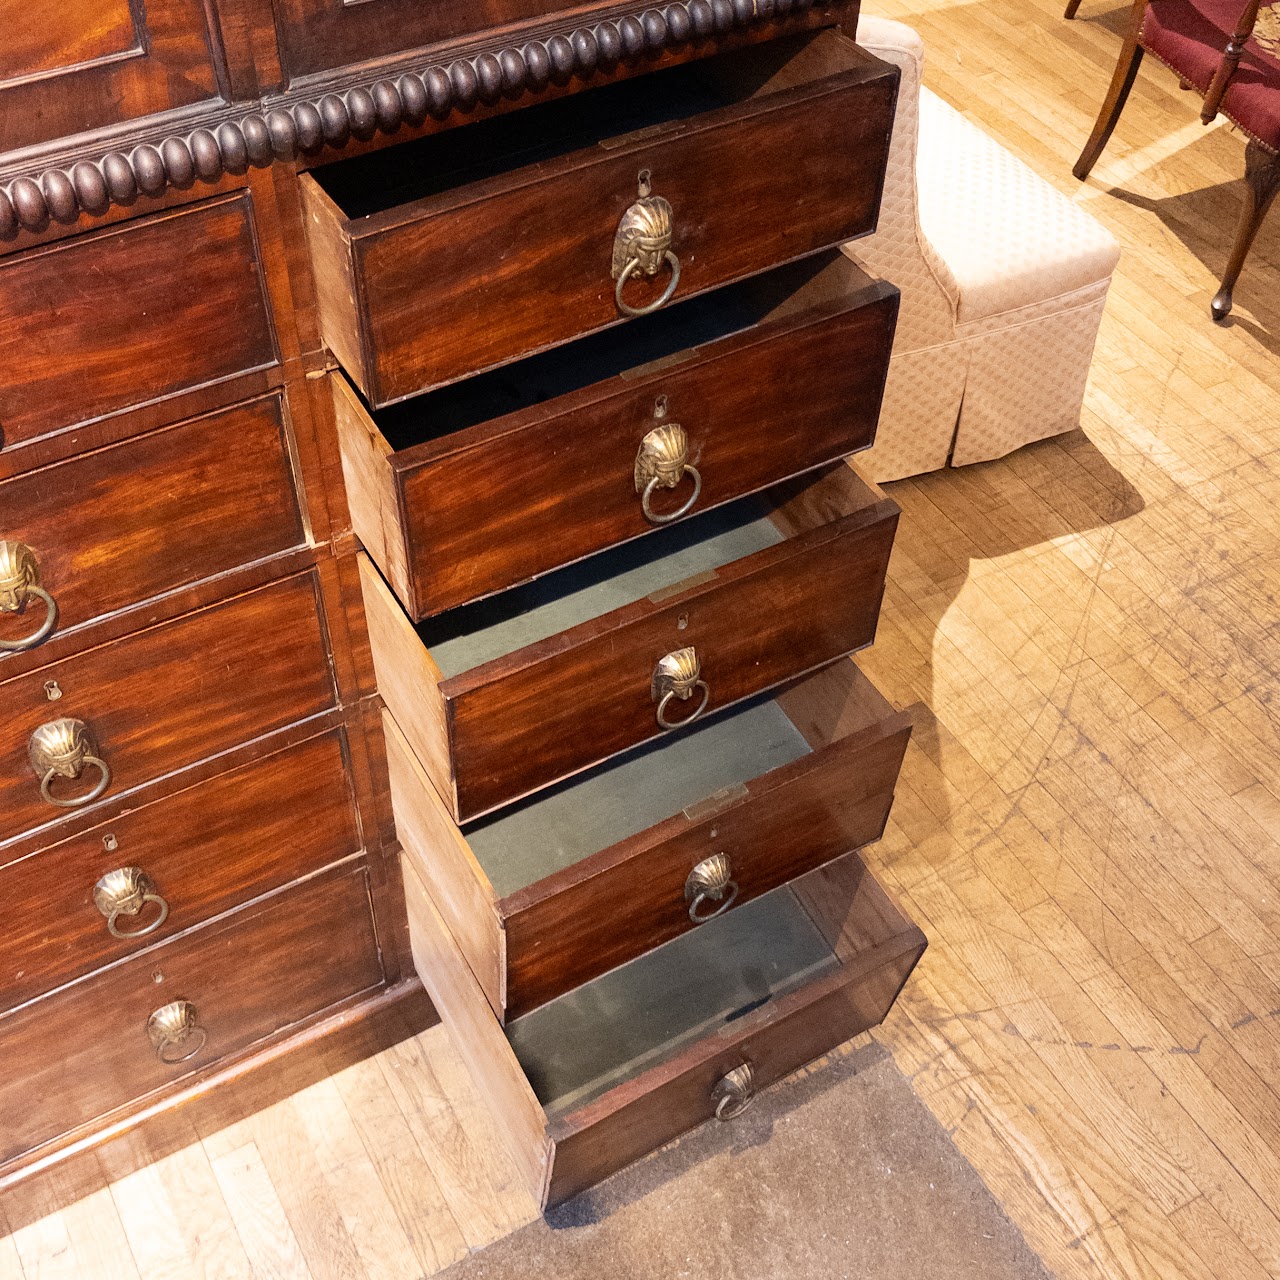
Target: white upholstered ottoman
[1003, 283]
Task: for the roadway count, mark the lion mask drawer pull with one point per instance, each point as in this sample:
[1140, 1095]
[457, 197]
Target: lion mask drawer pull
[19, 584]
[176, 1033]
[676, 678]
[710, 881]
[642, 246]
[735, 1093]
[65, 749]
[126, 892]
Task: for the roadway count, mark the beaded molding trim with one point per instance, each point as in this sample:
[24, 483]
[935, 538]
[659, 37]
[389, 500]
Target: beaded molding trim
[304, 127]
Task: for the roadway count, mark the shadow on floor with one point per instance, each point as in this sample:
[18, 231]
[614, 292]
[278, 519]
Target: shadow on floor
[841, 1173]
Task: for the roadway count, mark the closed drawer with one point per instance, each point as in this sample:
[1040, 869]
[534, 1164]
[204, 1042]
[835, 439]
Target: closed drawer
[473, 247]
[77, 1056]
[131, 315]
[610, 1071]
[125, 524]
[587, 876]
[503, 697]
[155, 872]
[160, 700]
[734, 391]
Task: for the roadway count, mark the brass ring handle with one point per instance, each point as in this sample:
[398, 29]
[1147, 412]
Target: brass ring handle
[653, 517]
[78, 802]
[710, 881]
[670, 726]
[676, 679]
[662, 463]
[19, 583]
[636, 266]
[175, 1032]
[642, 246]
[126, 893]
[735, 1093]
[65, 749]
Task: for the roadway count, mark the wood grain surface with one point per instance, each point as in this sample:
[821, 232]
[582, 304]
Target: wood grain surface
[119, 526]
[128, 316]
[776, 398]
[206, 850]
[248, 976]
[438, 294]
[169, 696]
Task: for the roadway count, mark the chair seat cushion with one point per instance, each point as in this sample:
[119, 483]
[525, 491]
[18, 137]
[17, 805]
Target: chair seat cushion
[1189, 37]
[1009, 239]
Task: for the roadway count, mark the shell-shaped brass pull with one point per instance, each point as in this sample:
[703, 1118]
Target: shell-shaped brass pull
[65, 749]
[710, 881]
[676, 679]
[663, 461]
[125, 894]
[735, 1093]
[175, 1032]
[19, 585]
[642, 246]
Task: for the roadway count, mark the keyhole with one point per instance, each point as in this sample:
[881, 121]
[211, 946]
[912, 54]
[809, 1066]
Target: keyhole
[52, 691]
[109, 843]
[646, 184]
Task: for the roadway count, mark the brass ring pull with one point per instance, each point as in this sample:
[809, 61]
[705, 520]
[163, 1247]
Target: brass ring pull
[20, 583]
[175, 1032]
[662, 463]
[735, 1093]
[636, 266]
[675, 679]
[642, 247]
[710, 881]
[65, 749]
[126, 893]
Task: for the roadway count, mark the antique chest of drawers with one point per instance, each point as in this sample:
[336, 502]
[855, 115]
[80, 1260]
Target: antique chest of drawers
[430, 562]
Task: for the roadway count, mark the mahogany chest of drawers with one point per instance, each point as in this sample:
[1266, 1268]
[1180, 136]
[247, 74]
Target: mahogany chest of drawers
[429, 559]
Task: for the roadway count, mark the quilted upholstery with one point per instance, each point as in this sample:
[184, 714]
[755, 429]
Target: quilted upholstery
[1190, 35]
[1003, 284]
[1008, 237]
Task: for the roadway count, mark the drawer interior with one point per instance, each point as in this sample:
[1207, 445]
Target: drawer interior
[526, 843]
[610, 1030]
[466, 638]
[602, 116]
[631, 351]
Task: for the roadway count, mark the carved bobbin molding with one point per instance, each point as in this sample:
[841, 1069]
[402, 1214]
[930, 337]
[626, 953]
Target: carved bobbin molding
[298, 126]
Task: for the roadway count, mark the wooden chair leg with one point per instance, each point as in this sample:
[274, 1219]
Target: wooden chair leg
[1073, 7]
[1117, 96]
[1261, 184]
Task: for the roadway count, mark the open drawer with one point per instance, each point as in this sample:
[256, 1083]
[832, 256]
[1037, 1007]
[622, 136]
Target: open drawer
[555, 891]
[605, 439]
[502, 697]
[613, 1069]
[472, 247]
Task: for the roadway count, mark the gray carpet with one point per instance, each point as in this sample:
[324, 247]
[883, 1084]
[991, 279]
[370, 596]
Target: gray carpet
[840, 1175]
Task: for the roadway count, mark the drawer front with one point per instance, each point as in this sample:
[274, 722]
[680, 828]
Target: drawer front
[202, 852]
[634, 1120]
[583, 921]
[129, 316]
[753, 409]
[79, 1055]
[546, 712]
[442, 295]
[124, 524]
[877, 948]
[164, 698]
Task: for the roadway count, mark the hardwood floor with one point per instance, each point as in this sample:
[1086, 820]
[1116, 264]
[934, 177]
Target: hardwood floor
[1088, 826]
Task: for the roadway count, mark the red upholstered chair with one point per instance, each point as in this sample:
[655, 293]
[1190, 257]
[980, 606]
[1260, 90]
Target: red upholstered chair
[1229, 51]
